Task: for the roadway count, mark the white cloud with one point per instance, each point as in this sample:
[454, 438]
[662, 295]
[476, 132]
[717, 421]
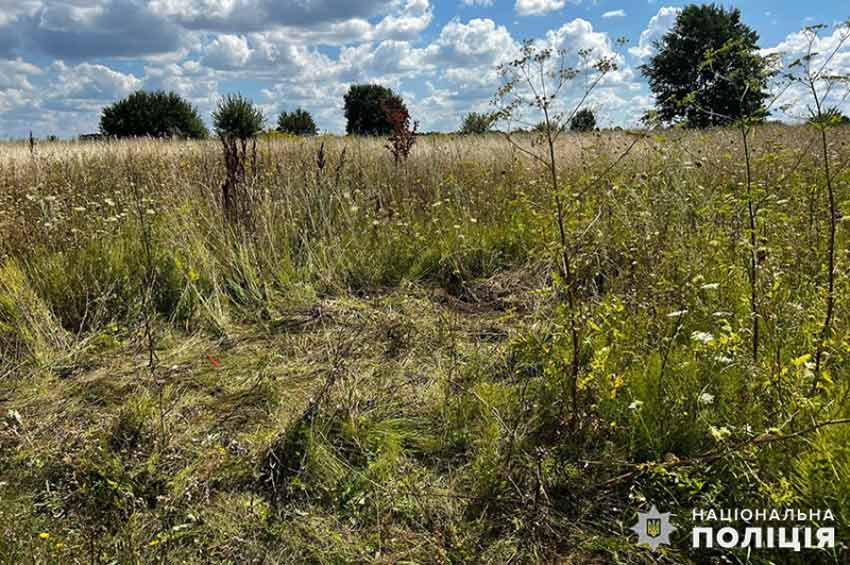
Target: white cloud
[614, 14]
[408, 23]
[227, 52]
[14, 74]
[88, 82]
[579, 35]
[655, 30]
[478, 2]
[538, 7]
[479, 42]
[831, 57]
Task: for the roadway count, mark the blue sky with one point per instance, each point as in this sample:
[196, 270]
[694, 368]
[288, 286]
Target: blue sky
[61, 61]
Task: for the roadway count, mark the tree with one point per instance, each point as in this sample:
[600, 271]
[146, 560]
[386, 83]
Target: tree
[365, 112]
[236, 117]
[584, 120]
[689, 90]
[476, 124]
[155, 114]
[299, 122]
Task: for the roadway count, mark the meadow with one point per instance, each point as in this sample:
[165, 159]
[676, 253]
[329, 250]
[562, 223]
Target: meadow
[385, 364]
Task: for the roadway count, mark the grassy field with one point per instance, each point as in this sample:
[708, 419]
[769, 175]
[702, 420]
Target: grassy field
[381, 369]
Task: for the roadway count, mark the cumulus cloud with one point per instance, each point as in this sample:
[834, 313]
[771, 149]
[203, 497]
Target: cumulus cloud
[538, 7]
[89, 82]
[227, 52]
[14, 74]
[479, 42]
[579, 35]
[660, 24]
[406, 24]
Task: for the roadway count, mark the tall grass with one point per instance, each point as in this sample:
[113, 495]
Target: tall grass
[427, 288]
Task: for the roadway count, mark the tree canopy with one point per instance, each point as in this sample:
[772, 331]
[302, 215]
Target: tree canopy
[297, 122]
[584, 120]
[366, 109]
[237, 117]
[707, 70]
[475, 123]
[156, 114]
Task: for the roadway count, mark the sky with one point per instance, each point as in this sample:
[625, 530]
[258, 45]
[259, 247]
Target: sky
[62, 61]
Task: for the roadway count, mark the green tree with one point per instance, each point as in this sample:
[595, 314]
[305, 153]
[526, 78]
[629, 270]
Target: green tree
[476, 124]
[689, 90]
[583, 120]
[236, 117]
[298, 122]
[366, 109]
[156, 114]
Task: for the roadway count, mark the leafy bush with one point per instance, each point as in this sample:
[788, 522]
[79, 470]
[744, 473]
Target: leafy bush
[365, 109]
[154, 114]
[584, 120]
[298, 122]
[237, 117]
[475, 123]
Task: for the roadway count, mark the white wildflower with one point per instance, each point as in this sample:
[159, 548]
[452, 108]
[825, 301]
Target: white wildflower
[702, 337]
[706, 399]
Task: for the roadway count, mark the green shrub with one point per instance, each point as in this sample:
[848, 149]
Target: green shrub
[584, 120]
[154, 114]
[475, 123]
[237, 117]
[365, 109]
[297, 122]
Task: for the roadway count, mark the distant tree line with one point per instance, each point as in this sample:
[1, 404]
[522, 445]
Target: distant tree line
[370, 109]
